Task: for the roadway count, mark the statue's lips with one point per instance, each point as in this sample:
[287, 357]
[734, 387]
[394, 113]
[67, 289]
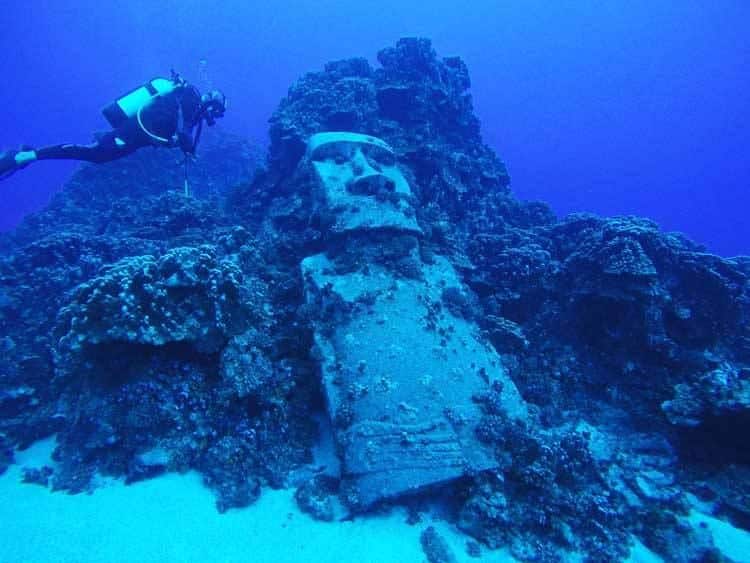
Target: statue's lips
[371, 185]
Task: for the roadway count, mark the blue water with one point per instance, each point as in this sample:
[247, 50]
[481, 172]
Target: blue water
[637, 108]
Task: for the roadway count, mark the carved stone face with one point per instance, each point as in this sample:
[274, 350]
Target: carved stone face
[360, 184]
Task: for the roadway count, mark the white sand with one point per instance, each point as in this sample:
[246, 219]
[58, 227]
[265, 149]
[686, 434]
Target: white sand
[732, 542]
[173, 518]
[639, 553]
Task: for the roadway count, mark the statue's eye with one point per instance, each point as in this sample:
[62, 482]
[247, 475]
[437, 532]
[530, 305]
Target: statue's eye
[380, 156]
[387, 159]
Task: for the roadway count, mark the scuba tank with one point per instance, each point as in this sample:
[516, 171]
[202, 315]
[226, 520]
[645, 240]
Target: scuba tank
[128, 106]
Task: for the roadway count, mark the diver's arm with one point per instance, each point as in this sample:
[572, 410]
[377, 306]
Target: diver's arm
[189, 126]
[186, 142]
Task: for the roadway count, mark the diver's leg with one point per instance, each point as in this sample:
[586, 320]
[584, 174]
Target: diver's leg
[109, 147]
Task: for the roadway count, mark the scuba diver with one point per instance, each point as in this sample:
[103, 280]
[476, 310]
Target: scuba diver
[162, 113]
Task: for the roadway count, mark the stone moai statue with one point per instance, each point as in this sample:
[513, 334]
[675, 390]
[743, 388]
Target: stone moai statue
[400, 359]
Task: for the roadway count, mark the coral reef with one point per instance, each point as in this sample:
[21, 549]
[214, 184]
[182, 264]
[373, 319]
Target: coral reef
[316, 497]
[435, 547]
[184, 296]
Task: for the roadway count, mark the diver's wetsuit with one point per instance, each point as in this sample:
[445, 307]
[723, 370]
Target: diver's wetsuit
[162, 119]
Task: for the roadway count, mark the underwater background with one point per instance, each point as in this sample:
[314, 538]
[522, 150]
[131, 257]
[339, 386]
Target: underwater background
[609, 108]
[450, 283]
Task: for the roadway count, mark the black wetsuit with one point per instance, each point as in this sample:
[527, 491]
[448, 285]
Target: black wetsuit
[175, 117]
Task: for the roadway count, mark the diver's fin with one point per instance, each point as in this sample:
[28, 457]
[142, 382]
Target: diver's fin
[9, 161]
[8, 164]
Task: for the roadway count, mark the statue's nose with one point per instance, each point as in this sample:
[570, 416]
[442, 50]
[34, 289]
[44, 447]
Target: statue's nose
[368, 179]
[371, 184]
[360, 165]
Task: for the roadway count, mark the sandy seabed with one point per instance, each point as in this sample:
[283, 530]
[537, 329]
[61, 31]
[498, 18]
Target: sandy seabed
[173, 519]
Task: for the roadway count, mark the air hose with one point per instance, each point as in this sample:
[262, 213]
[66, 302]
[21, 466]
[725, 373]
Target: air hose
[147, 132]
